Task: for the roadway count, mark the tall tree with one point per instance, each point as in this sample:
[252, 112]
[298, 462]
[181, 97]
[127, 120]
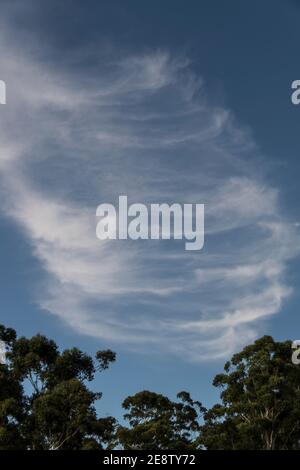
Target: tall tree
[156, 422]
[45, 402]
[11, 401]
[260, 400]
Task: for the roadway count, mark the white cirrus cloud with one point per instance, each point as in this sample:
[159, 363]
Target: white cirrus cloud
[143, 126]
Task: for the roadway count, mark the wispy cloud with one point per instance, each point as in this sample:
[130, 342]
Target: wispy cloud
[140, 125]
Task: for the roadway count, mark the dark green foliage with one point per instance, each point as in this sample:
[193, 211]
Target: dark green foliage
[260, 396]
[45, 403]
[57, 410]
[159, 423]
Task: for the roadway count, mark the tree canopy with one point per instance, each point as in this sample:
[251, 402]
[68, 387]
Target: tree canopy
[46, 403]
[260, 400]
[156, 422]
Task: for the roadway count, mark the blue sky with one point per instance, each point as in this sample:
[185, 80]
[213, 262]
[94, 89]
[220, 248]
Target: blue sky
[164, 102]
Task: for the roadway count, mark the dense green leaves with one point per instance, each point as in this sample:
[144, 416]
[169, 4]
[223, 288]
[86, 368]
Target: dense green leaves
[44, 399]
[45, 403]
[159, 423]
[260, 396]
